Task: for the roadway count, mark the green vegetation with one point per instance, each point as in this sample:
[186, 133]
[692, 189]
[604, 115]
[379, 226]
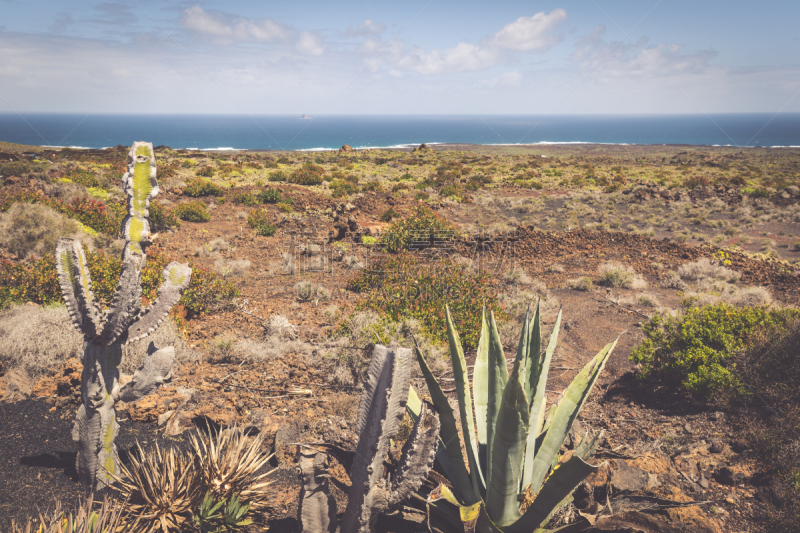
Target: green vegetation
[90, 213]
[424, 225]
[260, 221]
[697, 347]
[202, 187]
[308, 174]
[194, 211]
[247, 198]
[401, 287]
[162, 219]
[270, 196]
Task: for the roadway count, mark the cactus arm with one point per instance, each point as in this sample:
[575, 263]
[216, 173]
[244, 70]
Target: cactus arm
[507, 451]
[76, 286]
[367, 497]
[537, 408]
[417, 458]
[465, 404]
[176, 278]
[571, 471]
[317, 506]
[566, 411]
[449, 430]
[127, 302]
[155, 371]
[414, 408]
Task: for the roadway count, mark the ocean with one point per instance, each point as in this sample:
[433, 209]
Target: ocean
[326, 132]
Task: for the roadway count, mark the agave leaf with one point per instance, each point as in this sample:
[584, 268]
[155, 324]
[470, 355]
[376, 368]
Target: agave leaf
[498, 377]
[449, 435]
[507, 450]
[538, 402]
[569, 474]
[465, 404]
[480, 387]
[474, 518]
[568, 407]
[531, 376]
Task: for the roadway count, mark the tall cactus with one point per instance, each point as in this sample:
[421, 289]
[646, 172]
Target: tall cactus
[105, 332]
[382, 406]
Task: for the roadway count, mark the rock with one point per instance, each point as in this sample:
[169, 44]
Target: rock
[421, 147]
[345, 148]
[164, 417]
[773, 492]
[17, 385]
[703, 482]
[633, 522]
[728, 476]
[719, 446]
[688, 428]
[739, 446]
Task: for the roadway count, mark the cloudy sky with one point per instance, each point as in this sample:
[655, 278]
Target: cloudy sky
[381, 56]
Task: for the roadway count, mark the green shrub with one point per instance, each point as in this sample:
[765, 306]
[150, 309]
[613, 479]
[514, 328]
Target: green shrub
[86, 178]
[28, 229]
[259, 220]
[201, 187]
[205, 171]
[421, 196]
[270, 196]
[278, 175]
[343, 188]
[372, 186]
[91, 213]
[389, 214]
[285, 207]
[401, 287]
[194, 211]
[161, 218]
[244, 198]
[696, 347]
[308, 174]
[423, 225]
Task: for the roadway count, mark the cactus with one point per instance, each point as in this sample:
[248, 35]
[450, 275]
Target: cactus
[382, 406]
[126, 321]
[513, 442]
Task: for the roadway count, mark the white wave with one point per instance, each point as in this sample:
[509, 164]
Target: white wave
[221, 149]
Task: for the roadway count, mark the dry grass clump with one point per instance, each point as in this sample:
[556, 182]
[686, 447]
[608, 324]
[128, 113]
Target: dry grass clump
[34, 229]
[85, 519]
[613, 274]
[517, 276]
[212, 248]
[703, 269]
[280, 327]
[580, 284]
[751, 296]
[671, 280]
[38, 338]
[236, 268]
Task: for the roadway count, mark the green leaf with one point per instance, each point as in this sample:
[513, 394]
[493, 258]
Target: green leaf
[533, 366]
[538, 402]
[566, 411]
[569, 474]
[498, 377]
[480, 386]
[507, 449]
[449, 435]
[464, 404]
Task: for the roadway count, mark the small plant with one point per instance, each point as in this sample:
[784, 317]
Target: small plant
[342, 188]
[260, 221]
[423, 225]
[270, 196]
[244, 198]
[194, 211]
[285, 207]
[372, 186]
[388, 215]
[222, 516]
[308, 174]
[581, 284]
[161, 218]
[205, 171]
[617, 275]
[202, 187]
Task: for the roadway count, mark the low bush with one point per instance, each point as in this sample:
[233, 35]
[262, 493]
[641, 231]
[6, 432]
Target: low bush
[424, 225]
[161, 218]
[580, 284]
[388, 215]
[278, 175]
[617, 275]
[194, 211]
[343, 188]
[202, 187]
[270, 196]
[696, 347]
[91, 213]
[372, 186]
[244, 198]
[260, 221]
[86, 178]
[308, 174]
[400, 287]
[205, 171]
[29, 229]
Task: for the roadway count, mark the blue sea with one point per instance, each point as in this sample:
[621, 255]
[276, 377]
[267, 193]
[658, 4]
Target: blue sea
[326, 132]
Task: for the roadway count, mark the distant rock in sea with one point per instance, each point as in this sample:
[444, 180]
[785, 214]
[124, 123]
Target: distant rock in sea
[305, 117]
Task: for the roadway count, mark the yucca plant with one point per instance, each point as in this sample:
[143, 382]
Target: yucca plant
[221, 516]
[514, 477]
[161, 489]
[231, 463]
[108, 519]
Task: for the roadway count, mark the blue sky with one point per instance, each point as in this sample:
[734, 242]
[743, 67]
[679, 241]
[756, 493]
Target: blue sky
[377, 56]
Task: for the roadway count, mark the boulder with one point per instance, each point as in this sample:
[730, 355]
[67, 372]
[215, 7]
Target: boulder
[421, 147]
[345, 148]
[16, 385]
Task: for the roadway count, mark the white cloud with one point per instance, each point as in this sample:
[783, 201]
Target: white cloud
[512, 78]
[368, 27]
[618, 59]
[237, 29]
[528, 34]
[310, 44]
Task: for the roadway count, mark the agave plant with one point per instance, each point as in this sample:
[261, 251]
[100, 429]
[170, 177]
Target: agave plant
[514, 477]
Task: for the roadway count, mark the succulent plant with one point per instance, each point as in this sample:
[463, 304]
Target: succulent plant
[516, 477]
[106, 331]
[380, 412]
[108, 519]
